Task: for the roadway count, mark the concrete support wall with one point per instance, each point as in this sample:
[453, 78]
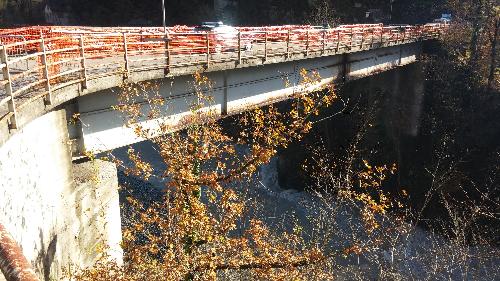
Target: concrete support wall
[57, 221]
[35, 165]
[92, 222]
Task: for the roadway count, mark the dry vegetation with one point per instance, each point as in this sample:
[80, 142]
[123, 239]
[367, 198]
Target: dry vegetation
[204, 228]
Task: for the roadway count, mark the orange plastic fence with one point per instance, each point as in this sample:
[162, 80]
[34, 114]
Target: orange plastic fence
[108, 41]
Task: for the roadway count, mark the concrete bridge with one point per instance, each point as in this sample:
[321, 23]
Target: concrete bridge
[50, 205]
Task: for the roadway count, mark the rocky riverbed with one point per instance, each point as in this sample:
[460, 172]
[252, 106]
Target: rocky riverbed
[416, 255]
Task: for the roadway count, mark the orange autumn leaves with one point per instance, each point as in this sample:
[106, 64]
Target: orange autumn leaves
[202, 226]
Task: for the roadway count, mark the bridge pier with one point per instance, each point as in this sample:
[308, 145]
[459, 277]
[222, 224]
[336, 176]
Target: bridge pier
[391, 102]
[58, 211]
[403, 117]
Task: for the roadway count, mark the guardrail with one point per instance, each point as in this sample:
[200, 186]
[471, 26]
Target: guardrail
[58, 57]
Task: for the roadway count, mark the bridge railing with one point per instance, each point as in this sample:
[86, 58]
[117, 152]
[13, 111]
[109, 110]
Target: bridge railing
[58, 57]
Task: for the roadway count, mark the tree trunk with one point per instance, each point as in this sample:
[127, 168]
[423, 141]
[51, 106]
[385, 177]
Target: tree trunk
[493, 62]
[476, 25]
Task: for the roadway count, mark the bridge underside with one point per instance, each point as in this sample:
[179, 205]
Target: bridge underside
[235, 90]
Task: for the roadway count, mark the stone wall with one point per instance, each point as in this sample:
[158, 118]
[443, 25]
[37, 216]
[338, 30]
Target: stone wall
[55, 219]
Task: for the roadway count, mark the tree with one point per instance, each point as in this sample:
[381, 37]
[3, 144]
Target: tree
[474, 33]
[195, 231]
[323, 13]
[202, 227]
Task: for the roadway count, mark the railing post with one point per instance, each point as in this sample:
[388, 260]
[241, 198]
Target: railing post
[324, 42]
[239, 47]
[265, 46]
[125, 55]
[372, 35]
[338, 41]
[382, 36]
[4, 59]
[352, 39]
[83, 62]
[362, 38]
[288, 44]
[46, 76]
[307, 43]
[207, 39]
[167, 53]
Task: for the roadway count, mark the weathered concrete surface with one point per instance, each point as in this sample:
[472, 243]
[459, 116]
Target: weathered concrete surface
[92, 223]
[234, 91]
[35, 165]
[55, 220]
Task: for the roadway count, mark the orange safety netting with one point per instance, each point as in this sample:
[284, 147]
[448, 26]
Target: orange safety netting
[108, 41]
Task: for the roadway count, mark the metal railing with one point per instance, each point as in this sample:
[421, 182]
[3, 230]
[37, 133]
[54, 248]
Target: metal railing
[63, 56]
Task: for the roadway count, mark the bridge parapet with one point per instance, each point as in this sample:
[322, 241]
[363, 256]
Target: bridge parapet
[44, 64]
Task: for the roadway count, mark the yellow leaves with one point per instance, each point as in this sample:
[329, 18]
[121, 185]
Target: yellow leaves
[75, 118]
[354, 249]
[404, 192]
[328, 99]
[140, 167]
[192, 231]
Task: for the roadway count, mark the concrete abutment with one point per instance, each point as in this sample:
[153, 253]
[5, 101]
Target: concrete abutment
[59, 212]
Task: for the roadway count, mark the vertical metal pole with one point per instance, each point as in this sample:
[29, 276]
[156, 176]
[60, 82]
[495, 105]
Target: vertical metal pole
[362, 38]
[381, 36]
[352, 39]
[4, 58]
[338, 41]
[239, 47]
[125, 55]
[207, 39]
[164, 16]
[307, 43]
[324, 42]
[288, 45]
[46, 76]
[83, 62]
[390, 15]
[265, 46]
[167, 53]
[372, 37]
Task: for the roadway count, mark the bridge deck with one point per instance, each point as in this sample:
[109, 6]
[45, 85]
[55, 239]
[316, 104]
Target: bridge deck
[36, 67]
